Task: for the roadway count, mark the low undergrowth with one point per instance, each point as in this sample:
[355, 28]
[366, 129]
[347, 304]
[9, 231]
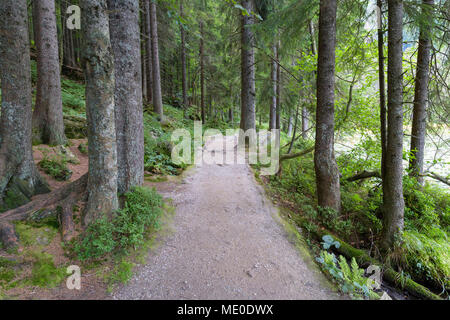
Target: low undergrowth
[111, 246]
[423, 252]
[126, 230]
[56, 167]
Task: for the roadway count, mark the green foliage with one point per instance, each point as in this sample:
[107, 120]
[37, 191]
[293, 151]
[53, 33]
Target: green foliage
[157, 142]
[351, 278]
[56, 166]
[44, 272]
[426, 259]
[73, 97]
[122, 272]
[7, 274]
[83, 148]
[125, 230]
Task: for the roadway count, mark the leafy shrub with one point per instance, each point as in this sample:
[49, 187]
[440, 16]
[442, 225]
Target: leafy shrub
[56, 166]
[158, 149]
[126, 229]
[425, 258]
[83, 148]
[350, 279]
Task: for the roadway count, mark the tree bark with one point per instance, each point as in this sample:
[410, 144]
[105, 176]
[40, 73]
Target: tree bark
[202, 75]
[248, 93]
[19, 177]
[394, 205]
[125, 41]
[183, 59]
[273, 76]
[421, 99]
[157, 96]
[143, 37]
[48, 125]
[382, 85]
[327, 173]
[278, 89]
[149, 52]
[99, 73]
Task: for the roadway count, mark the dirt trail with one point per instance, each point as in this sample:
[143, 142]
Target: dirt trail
[226, 243]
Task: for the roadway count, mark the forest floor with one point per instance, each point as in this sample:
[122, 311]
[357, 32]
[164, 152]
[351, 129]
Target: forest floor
[226, 241]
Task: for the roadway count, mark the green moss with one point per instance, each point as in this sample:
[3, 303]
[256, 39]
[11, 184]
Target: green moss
[40, 234]
[17, 194]
[44, 272]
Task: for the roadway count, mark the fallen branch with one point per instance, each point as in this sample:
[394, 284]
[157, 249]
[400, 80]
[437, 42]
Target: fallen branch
[295, 155]
[437, 177]
[364, 175]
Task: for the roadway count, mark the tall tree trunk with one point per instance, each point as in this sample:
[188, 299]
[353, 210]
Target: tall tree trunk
[421, 98]
[143, 52]
[305, 112]
[157, 96]
[125, 41]
[48, 125]
[273, 76]
[183, 59]
[382, 85]
[99, 73]
[202, 74]
[19, 178]
[149, 54]
[394, 205]
[278, 89]
[327, 173]
[248, 93]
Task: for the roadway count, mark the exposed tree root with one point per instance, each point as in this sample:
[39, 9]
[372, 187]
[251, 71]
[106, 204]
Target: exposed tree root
[8, 235]
[65, 198]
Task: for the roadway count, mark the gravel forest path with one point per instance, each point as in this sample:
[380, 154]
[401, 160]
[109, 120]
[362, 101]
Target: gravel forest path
[226, 241]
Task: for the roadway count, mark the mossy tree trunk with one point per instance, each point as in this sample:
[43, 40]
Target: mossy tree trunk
[19, 178]
[124, 28]
[48, 125]
[99, 73]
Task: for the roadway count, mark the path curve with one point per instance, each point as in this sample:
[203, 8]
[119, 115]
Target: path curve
[225, 244]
